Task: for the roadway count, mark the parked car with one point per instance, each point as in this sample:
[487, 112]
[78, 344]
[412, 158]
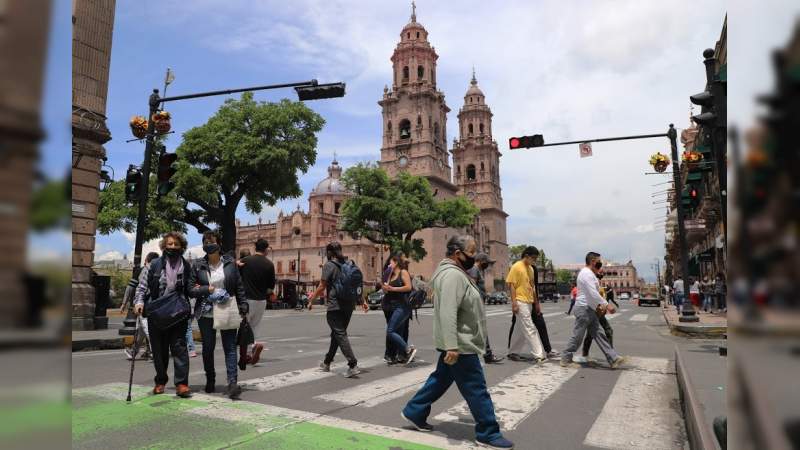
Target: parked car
[624, 296]
[496, 298]
[374, 299]
[649, 300]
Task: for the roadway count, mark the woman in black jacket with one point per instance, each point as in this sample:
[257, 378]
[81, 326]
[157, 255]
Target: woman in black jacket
[213, 273]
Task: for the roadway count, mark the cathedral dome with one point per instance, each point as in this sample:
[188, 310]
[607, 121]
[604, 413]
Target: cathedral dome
[333, 183]
[473, 86]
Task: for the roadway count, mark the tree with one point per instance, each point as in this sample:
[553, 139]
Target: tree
[389, 211]
[248, 150]
[515, 252]
[564, 276]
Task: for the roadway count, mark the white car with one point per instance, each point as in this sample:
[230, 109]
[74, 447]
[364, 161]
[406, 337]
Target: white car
[624, 296]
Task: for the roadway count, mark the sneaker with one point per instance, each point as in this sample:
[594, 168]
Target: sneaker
[234, 391]
[324, 367]
[410, 355]
[388, 360]
[519, 358]
[553, 354]
[158, 389]
[183, 391]
[618, 362]
[566, 363]
[500, 442]
[257, 348]
[352, 371]
[193, 354]
[493, 359]
[580, 359]
[420, 426]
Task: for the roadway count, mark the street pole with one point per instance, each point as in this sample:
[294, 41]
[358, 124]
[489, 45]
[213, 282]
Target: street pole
[688, 314]
[297, 292]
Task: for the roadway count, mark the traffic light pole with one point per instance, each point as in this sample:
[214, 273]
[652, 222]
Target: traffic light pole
[129, 324]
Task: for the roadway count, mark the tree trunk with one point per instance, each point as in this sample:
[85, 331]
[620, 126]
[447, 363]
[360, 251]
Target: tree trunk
[228, 229]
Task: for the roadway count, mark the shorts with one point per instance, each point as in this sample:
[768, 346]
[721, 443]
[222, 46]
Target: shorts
[695, 298]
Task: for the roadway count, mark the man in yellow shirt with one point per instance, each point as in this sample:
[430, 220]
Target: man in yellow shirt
[520, 282]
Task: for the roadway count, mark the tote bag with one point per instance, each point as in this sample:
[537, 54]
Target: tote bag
[226, 315]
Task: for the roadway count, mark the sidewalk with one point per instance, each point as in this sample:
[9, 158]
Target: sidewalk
[709, 326]
[702, 379]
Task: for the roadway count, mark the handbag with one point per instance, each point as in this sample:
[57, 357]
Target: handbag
[226, 315]
[168, 310]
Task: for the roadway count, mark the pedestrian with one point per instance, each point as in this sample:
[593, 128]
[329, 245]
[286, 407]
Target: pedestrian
[694, 293]
[390, 353]
[573, 293]
[588, 305]
[127, 302]
[258, 276]
[243, 253]
[707, 291]
[340, 305]
[720, 290]
[538, 321]
[396, 290]
[667, 294]
[677, 290]
[601, 318]
[520, 281]
[477, 273]
[459, 330]
[168, 274]
[221, 301]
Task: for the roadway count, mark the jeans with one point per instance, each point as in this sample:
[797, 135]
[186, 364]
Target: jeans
[679, 301]
[165, 341]
[189, 337]
[338, 321]
[541, 328]
[209, 337]
[721, 303]
[586, 322]
[708, 302]
[587, 343]
[571, 305]
[395, 327]
[468, 376]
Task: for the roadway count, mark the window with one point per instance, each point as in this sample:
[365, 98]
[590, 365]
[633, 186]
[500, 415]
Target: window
[405, 129]
[408, 35]
[389, 127]
[417, 34]
[482, 168]
[303, 265]
[280, 266]
[480, 127]
[419, 121]
[458, 170]
[372, 263]
[469, 128]
[405, 73]
[436, 131]
[420, 72]
[470, 172]
[336, 207]
[321, 207]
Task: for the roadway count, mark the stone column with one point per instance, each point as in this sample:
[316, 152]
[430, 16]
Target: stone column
[92, 27]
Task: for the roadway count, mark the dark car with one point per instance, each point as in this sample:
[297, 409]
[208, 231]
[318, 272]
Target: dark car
[649, 300]
[374, 299]
[496, 298]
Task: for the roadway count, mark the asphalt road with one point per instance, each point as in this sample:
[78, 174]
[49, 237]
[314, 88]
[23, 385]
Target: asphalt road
[539, 406]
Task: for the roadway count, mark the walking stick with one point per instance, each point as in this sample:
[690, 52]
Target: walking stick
[134, 353]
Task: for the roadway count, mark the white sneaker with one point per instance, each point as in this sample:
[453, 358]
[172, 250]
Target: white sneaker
[352, 371]
[410, 355]
[580, 359]
[324, 367]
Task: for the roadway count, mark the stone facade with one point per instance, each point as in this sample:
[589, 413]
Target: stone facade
[23, 49]
[92, 28]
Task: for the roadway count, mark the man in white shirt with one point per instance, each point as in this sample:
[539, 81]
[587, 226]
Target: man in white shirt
[588, 305]
[677, 288]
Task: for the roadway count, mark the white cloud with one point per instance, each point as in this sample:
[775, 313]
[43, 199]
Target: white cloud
[644, 228]
[109, 256]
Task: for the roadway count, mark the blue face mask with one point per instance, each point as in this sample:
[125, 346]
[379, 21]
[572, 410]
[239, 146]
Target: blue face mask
[211, 248]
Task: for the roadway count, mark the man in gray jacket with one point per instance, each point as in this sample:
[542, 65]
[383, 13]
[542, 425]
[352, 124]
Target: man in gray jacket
[459, 331]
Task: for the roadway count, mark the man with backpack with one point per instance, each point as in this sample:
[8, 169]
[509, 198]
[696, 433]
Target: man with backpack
[341, 281]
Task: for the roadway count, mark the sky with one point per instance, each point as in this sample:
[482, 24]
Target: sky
[567, 70]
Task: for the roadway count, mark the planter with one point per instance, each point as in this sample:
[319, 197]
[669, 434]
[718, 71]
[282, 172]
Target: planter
[161, 121]
[661, 166]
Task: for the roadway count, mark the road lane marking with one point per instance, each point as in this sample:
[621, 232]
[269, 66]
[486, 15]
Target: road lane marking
[518, 396]
[639, 318]
[380, 391]
[292, 377]
[639, 412]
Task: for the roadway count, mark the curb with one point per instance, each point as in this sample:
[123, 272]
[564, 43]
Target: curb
[696, 331]
[697, 430]
[97, 344]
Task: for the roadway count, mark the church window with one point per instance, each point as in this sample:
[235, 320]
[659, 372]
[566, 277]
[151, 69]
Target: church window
[280, 266]
[389, 127]
[458, 170]
[321, 207]
[420, 72]
[303, 265]
[408, 35]
[405, 73]
[469, 128]
[417, 34]
[419, 121]
[405, 129]
[470, 99]
[471, 172]
[480, 127]
[336, 207]
[482, 168]
[436, 131]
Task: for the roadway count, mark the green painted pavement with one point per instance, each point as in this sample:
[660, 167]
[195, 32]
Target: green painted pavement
[101, 419]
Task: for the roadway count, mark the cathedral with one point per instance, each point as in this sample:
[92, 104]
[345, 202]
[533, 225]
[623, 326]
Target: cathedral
[414, 140]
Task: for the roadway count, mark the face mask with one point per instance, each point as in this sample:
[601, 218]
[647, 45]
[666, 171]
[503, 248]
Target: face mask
[211, 248]
[467, 262]
[484, 266]
[173, 252]
[598, 265]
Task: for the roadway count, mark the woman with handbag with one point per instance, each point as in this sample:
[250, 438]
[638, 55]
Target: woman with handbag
[162, 296]
[220, 303]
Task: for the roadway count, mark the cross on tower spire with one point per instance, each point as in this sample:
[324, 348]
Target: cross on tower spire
[413, 12]
[474, 81]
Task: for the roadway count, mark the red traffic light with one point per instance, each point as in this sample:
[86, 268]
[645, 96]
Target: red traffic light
[693, 193]
[526, 141]
[513, 143]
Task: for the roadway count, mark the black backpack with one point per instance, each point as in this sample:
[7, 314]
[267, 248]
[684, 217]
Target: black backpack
[349, 282]
[416, 298]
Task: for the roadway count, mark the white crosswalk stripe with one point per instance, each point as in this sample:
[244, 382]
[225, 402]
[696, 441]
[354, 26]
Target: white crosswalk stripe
[639, 318]
[382, 390]
[518, 396]
[638, 413]
[293, 377]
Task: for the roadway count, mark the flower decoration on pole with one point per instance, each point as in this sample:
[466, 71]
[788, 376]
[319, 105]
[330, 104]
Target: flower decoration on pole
[692, 158]
[139, 126]
[659, 161]
[161, 121]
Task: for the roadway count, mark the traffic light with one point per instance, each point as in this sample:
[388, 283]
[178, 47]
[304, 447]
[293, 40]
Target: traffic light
[166, 169]
[713, 103]
[537, 140]
[693, 191]
[133, 183]
[320, 91]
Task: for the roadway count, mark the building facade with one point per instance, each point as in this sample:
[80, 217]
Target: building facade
[92, 28]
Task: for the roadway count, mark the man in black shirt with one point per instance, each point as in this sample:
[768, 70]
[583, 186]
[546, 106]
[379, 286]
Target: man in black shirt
[258, 276]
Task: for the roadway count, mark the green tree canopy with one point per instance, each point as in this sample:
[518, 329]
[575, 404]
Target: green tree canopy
[248, 150]
[389, 211]
[564, 276]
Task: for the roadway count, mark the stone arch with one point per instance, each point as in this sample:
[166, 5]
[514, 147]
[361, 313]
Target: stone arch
[480, 127]
[405, 129]
[389, 127]
[420, 72]
[469, 129]
[405, 73]
[471, 172]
